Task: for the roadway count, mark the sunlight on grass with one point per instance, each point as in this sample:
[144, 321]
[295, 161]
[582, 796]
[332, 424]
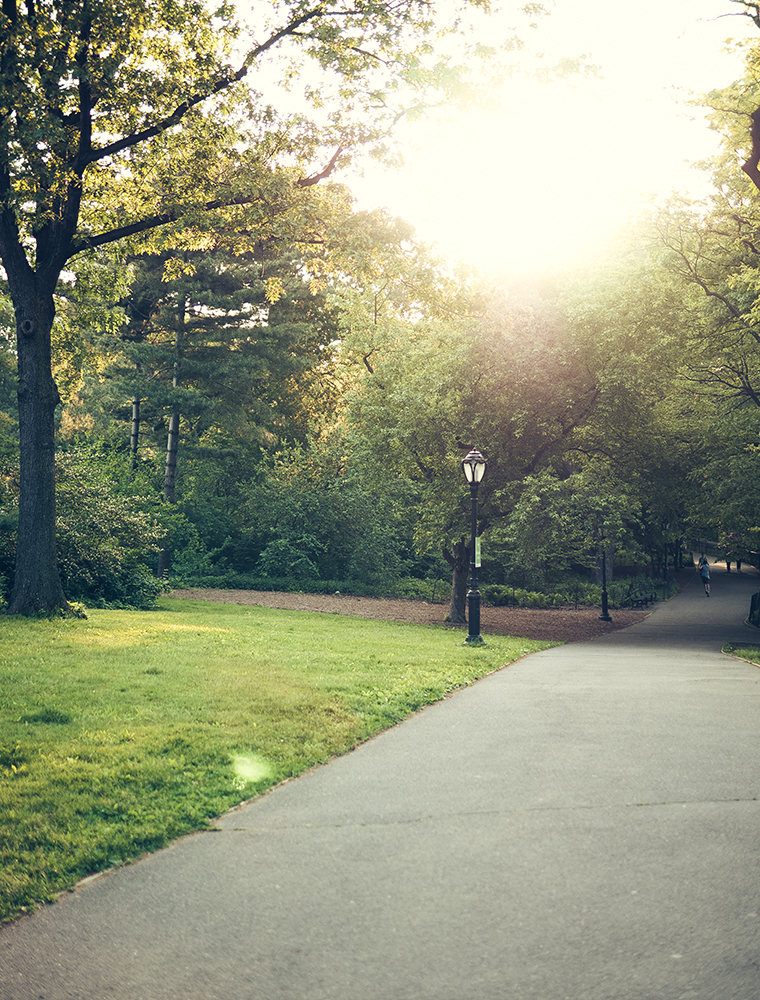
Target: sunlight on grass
[250, 768]
[129, 729]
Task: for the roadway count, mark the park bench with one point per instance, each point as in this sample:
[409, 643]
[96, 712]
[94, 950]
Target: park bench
[639, 599]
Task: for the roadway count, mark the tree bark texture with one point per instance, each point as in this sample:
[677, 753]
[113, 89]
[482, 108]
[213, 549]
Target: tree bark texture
[172, 441]
[134, 438]
[37, 583]
[608, 554]
[459, 560]
[752, 163]
[172, 445]
[170, 479]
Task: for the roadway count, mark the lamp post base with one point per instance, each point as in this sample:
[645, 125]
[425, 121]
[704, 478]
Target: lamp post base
[473, 612]
[605, 615]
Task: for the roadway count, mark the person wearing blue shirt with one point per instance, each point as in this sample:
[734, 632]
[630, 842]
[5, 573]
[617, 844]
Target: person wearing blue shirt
[703, 568]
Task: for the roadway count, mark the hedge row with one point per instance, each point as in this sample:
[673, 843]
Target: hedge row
[619, 594]
[435, 591]
[438, 591]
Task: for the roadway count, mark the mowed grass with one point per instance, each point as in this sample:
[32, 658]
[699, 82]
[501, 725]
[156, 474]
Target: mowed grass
[129, 729]
[750, 653]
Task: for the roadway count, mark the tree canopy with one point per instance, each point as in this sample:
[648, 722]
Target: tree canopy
[121, 120]
[299, 379]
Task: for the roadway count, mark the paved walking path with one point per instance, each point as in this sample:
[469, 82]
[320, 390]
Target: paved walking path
[583, 825]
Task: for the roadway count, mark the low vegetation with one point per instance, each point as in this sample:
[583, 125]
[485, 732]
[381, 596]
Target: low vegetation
[576, 591]
[568, 590]
[750, 653]
[129, 729]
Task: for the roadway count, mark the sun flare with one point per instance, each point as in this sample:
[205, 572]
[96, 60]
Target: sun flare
[559, 166]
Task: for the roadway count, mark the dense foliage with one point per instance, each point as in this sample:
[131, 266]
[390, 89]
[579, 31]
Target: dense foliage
[258, 382]
[107, 533]
[133, 122]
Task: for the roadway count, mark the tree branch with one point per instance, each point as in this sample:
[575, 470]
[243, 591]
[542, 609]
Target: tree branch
[751, 10]
[750, 166]
[316, 178]
[565, 430]
[182, 109]
[152, 222]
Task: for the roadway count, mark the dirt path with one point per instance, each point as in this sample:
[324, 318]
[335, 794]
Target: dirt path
[560, 624]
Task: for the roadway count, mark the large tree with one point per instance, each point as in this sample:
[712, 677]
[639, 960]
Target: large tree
[508, 379]
[570, 390]
[131, 95]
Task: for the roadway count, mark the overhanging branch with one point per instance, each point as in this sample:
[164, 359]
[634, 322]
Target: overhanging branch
[83, 243]
[127, 142]
[751, 166]
[153, 222]
[316, 178]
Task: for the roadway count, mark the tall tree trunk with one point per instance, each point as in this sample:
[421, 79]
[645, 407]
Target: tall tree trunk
[459, 560]
[37, 583]
[134, 438]
[172, 441]
[172, 446]
[170, 479]
[608, 554]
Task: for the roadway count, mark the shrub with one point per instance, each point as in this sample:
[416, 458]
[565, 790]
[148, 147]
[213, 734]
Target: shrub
[576, 592]
[105, 536]
[500, 595]
[405, 587]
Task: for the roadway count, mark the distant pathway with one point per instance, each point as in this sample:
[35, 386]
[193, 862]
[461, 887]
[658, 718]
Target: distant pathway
[583, 825]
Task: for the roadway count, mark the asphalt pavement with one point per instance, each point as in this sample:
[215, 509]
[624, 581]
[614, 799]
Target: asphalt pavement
[582, 825]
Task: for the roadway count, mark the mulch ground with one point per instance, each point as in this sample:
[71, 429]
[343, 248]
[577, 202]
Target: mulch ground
[566, 624]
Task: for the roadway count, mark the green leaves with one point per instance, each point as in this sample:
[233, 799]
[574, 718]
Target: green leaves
[108, 92]
[106, 535]
[557, 523]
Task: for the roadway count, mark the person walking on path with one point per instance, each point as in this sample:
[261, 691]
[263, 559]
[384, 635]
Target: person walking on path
[703, 567]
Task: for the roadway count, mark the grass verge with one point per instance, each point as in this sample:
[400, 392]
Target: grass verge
[125, 731]
[750, 653]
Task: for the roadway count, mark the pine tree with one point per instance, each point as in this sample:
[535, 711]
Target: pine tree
[206, 352]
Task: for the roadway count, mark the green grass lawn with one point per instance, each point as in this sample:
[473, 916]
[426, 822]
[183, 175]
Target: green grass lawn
[126, 730]
[751, 653]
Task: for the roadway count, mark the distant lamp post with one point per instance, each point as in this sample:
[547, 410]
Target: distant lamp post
[474, 467]
[665, 537]
[605, 615]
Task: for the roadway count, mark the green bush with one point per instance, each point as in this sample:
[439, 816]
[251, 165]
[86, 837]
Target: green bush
[105, 534]
[577, 593]
[410, 588]
[303, 516]
[434, 590]
[128, 586]
[500, 595]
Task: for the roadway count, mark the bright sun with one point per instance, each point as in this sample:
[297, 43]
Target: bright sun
[560, 165]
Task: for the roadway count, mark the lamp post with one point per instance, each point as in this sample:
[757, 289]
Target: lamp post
[665, 536]
[605, 615]
[474, 467]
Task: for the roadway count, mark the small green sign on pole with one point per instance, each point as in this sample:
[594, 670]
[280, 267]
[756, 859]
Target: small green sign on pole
[477, 551]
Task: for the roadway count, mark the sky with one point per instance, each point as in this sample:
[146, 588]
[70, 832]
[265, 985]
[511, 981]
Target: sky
[541, 179]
